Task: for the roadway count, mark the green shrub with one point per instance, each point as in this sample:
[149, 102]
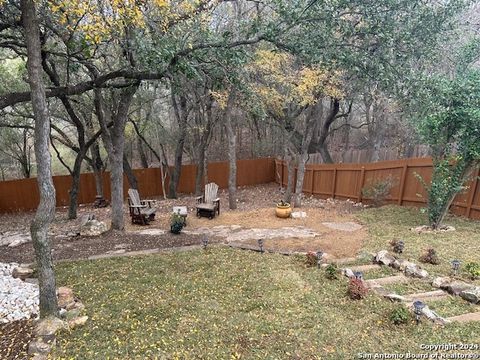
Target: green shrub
[177, 222]
[331, 271]
[400, 315]
[473, 269]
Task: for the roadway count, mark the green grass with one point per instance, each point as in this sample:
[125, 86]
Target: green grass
[382, 272]
[226, 304]
[411, 287]
[452, 306]
[390, 222]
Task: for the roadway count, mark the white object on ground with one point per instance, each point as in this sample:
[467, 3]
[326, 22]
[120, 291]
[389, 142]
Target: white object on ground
[18, 299]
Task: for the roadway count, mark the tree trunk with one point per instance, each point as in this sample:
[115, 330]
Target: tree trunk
[319, 144]
[74, 190]
[97, 163]
[97, 166]
[291, 177]
[118, 143]
[307, 138]
[232, 156]
[141, 151]
[181, 115]
[200, 168]
[46, 208]
[114, 140]
[132, 179]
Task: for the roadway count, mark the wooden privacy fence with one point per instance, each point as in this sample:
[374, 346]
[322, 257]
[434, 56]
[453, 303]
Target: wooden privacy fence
[346, 181]
[18, 195]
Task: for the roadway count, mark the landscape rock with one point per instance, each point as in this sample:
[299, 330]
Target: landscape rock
[433, 316]
[438, 282]
[471, 295]
[65, 296]
[93, 228]
[22, 273]
[298, 215]
[40, 347]
[77, 322]
[348, 273]
[455, 287]
[49, 326]
[13, 238]
[400, 264]
[383, 257]
[413, 270]
[394, 297]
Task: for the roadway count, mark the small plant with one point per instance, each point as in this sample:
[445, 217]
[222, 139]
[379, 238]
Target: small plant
[177, 222]
[400, 315]
[378, 191]
[430, 257]
[473, 269]
[311, 258]
[398, 245]
[283, 203]
[357, 289]
[331, 271]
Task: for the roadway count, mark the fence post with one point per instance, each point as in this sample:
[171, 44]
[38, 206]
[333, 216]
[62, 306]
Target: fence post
[471, 195]
[334, 182]
[313, 179]
[362, 180]
[402, 183]
[281, 180]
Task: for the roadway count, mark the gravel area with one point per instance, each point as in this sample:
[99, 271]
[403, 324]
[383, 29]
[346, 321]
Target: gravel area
[18, 299]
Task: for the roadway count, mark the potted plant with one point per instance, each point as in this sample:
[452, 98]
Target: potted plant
[177, 222]
[283, 210]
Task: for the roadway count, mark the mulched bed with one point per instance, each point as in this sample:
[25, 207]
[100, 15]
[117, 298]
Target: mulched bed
[14, 339]
[79, 247]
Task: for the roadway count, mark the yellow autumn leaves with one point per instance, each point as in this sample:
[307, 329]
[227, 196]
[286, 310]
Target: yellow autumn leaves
[282, 81]
[97, 20]
[279, 81]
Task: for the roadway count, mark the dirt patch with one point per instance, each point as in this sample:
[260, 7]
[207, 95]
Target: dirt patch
[256, 206]
[336, 244]
[14, 339]
[83, 247]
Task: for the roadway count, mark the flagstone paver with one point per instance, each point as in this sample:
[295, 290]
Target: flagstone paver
[465, 317]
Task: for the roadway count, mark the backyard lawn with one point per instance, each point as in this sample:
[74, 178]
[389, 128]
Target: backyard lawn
[228, 303]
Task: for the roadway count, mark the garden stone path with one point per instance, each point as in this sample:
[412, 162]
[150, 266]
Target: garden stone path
[427, 296]
[343, 226]
[465, 317]
[376, 285]
[235, 233]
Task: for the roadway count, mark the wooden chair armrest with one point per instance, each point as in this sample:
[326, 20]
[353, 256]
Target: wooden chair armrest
[199, 199]
[148, 202]
[137, 206]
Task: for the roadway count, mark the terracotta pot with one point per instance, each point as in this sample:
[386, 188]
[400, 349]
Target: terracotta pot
[283, 211]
